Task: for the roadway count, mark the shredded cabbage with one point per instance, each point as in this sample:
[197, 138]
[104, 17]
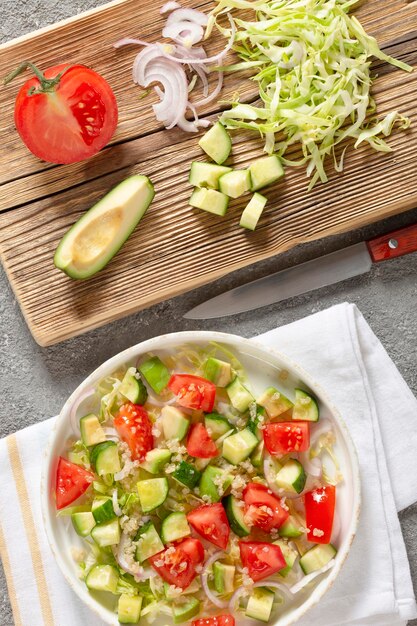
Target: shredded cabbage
[313, 71]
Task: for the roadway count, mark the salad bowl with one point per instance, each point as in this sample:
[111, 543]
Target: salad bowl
[265, 368]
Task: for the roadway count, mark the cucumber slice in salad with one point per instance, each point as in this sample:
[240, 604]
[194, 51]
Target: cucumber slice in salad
[219, 372]
[148, 542]
[217, 425]
[175, 527]
[216, 143]
[239, 396]
[91, 430]
[102, 578]
[107, 534]
[291, 477]
[105, 458]
[83, 523]
[206, 174]
[133, 388]
[174, 423]
[187, 474]
[274, 402]
[223, 577]
[291, 529]
[214, 482]
[102, 509]
[128, 609]
[317, 557]
[235, 515]
[289, 555]
[152, 493]
[155, 460]
[186, 611]
[260, 604]
[306, 408]
[239, 447]
[155, 373]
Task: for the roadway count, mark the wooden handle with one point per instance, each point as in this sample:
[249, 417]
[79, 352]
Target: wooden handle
[392, 245]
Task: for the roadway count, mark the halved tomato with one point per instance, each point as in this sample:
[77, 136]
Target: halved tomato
[281, 438]
[210, 521]
[71, 482]
[193, 392]
[194, 548]
[200, 444]
[263, 509]
[135, 428]
[261, 559]
[175, 566]
[320, 505]
[217, 620]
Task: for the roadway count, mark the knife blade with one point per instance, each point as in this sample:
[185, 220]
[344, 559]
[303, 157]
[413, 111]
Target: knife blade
[309, 276]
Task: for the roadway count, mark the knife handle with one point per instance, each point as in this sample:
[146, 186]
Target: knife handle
[392, 245]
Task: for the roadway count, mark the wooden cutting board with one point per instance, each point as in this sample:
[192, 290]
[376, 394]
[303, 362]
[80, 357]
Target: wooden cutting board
[176, 248]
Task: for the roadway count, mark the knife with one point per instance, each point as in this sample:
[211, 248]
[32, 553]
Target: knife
[320, 272]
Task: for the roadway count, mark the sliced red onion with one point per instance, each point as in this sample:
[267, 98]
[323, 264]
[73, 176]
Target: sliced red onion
[115, 501]
[307, 579]
[273, 585]
[171, 5]
[128, 41]
[311, 466]
[213, 94]
[185, 33]
[74, 420]
[187, 15]
[235, 597]
[203, 77]
[222, 604]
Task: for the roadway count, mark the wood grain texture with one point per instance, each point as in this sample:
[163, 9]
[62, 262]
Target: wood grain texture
[39, 202]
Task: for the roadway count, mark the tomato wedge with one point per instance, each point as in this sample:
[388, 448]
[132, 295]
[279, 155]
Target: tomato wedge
[71, 482]
[261, 559]
[193, 392]
[194, 548]
[175, 566]
[210, 521]
[135, 428]
[263, 509]
[284, 437]
[320, 505]
[67, 118]
[217, 620]
[200, 444]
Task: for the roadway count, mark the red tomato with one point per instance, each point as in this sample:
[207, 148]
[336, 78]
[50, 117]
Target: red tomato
[210, 521]
[320, 505]
[71, 482]
[200, 444]
[135, 428]
[284, 437]
[263, 509]
[175, 566]
[261, 559]
[217, 620]
[68, 119]
[193, 392]
[194, 548]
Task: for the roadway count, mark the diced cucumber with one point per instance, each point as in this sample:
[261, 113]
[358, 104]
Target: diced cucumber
[216, 143]
[79, 458]
[91, 430]
[187, 474]
[184, 612]
[223, 577]
[174, 423]
[260, 604]
[214, 482]
[265, 171]
[291, 477]
[148, 542]
[253, 211]
[155, 460]
[175, 527]
[155, 373]
[219, 372]
[107, 534]
[105, 458]
[206, 174]
[209, 200]
[291, 529]
[217, 425]
[317, 557]
[235, 183]
[235, 515]
[254, 421]
[239, 396]
[274, 402]
[102, 509]
[289, 555]
[257, 456]
[239, 446]
[83, 523]
[129, 608]
[100, 487]
[133, 388]
[102, 578]
[152, 493]
[306, 408]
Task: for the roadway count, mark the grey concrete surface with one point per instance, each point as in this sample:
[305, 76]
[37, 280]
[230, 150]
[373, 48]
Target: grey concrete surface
[34, 381]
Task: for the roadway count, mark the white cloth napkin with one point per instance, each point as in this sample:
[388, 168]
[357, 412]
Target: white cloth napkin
[374, 587]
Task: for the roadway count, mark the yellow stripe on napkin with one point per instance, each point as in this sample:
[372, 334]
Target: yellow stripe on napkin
[32, 538]
[9, 579]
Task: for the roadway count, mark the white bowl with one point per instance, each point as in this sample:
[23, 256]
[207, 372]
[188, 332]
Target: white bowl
[263, 366]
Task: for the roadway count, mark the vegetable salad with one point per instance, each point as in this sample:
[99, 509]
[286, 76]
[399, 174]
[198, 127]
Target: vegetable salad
[198, 499]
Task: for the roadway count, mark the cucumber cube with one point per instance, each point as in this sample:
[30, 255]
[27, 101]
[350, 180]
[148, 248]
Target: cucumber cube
[185, 612]
[152, 493]
[265, 171]
[216, 143]
[148, 542]
[210, 200]
[217, 425]
[214, 482]
[235, 183]
[102, 509]
[91, 430]
[107, 534]
[291, 477]
[155, 373]
[260, 603]
[105, 458]
[102, 578]
[219, 372]
[239, 396]
[317, 557]
[129, 608]
[239, 447]
[175, 527]
[155, 460]
[253, 212]
[306, 408]
[174, 423]
[274, 402]
[206, 174]
[187, 474]
[291, 529]
[289, 555]
[133, 388]
[83, 523]
[223, 577]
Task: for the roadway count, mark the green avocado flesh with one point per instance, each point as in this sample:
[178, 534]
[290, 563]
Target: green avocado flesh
[99, 234]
